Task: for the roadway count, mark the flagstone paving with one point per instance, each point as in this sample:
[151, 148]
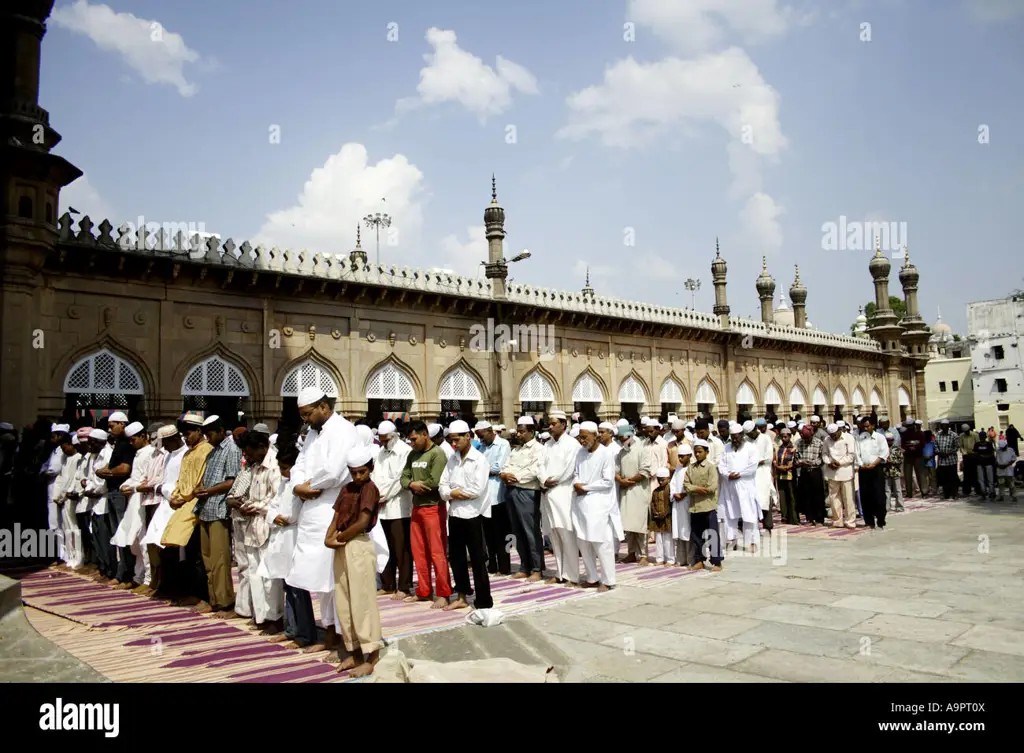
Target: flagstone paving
[931, 598]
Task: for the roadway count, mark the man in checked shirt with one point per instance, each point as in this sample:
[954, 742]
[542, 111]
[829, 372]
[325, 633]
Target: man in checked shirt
[223, 465]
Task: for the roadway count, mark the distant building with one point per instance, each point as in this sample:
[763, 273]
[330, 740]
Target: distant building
[947, 377]
[997, 369]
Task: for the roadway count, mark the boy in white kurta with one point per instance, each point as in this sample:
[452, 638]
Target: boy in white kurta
[595, 514]
[686, 550]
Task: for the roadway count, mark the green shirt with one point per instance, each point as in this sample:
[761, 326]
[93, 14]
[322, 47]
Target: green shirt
[701, 475]
[425, 467]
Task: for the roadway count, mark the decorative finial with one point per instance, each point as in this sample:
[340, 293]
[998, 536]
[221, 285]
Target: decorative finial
[878, 246]
[358, 236]
[718, 255]
[797, 274]
[906, 254]
[860, 309]
[764, 263]
[494, 190]
[938, 310]
[588, 277]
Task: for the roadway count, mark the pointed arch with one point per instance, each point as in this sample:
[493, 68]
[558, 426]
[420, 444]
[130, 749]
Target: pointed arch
[588, 387]
[820, 396]
[461, 382]
[391, 379]
[311, 369]
[745, 394]
[904, 396]
[633, 389]
[858, 396]
[185, 367]
[538, 386]
[215, 376]
[103, 373]
[707, 391]
[672, 391]
[107, 343]
[773, 394]
[876, 398]
[798, 395]
[839, 396]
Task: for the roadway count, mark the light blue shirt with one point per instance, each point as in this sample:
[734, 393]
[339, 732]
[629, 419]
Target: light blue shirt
[497, 454]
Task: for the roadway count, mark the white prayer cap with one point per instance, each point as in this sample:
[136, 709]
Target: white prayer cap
[481, 425]
[691, 425]
[458, 427]
[98, 434]
[74, 440]
[655, 423]
[902, 428]
[433, 429]
[500, 427]
[815, 419]
[622, 422]
[909, 422]
[840, 423]
[607, 425]
[210, 420]
[1002, 444]
[944, 422]
[446, 431]
[309, 396]
[365, 433]
[66, 428]
[360, 456]
[890, 436]
[273, 439]
[677, 425]
[4, 426]
[589, 426]
[801, 425]
[701, 443]
[261, 429]
[118, 416]
[558, 414]
[166, 431]
[132, 429]
[574, 431]
[645, 421]
[761, 422]
[964, 427]
[661, 473]
[685, 449]
[748, 426]
[525, 421]
[54, 428]
[386, 427]
[919, 422]
[735, 428]
[791, 425]
[192, 418]
[672, 416]
[831, 429]
[545, 436]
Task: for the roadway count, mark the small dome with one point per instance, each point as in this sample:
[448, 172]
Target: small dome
[797, 291]
[765, 284]
[941, 328]
[718, 266]
[879, 265]
[808, 325]
[861, 318]
[783, 315]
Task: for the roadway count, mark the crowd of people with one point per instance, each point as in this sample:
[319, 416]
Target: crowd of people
[345, 511]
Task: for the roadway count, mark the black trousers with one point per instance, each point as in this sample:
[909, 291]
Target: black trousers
[872, 495]
[186, 577]
[155, 569]
[525, 514]
[101, 535]
[399, 556]
[117, 503]
[970, 482]
[705, 536]
[787, 502]
[811, 494]
[467, 535]
[300, 604]
[947, 480]
[497, 529]
[84, 519]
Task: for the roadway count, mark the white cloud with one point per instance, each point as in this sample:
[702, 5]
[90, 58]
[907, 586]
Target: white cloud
[464, 258]
[993, 11]
[694, 26]
[759, 220]
[157, 55]
[82, 196]
[455, 75]
[336, 198]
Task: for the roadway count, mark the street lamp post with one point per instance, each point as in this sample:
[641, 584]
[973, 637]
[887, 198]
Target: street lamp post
[377, 221]
[693, 286]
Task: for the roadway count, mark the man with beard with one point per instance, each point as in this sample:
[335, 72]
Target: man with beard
[395, 511]
[811, 484]
[595, 514]
[737, 501]
[558, 468]
[837, 465]
[634, 473]
[763, 478]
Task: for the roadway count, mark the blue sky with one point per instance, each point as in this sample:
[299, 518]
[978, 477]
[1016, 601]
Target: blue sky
[756, 121]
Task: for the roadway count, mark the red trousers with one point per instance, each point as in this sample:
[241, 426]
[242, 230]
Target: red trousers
[428, 542]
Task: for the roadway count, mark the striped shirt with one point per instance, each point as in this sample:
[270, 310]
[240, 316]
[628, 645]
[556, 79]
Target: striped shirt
[222, 464]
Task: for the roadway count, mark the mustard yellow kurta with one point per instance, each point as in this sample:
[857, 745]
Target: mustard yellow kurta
[183, 521]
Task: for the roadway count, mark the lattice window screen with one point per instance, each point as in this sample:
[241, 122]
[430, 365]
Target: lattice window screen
[536, 389]
[671, 392]
[459, 385]
[587, 390]
[215, 376]
[308, 374]
[103, 373]
[389, 382]
[632, 391]
[705, 394]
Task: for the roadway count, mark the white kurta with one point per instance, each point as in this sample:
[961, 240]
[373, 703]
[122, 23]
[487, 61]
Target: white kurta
[595, 515]
[680, 509]
[323, 464]
[164, 512]
[93, 483]
[737, 499]
[396, 502]
[53, 466]
[559, 463]
[82, 474]
[134, 519]
[277, 559]
[635, 501]
[763, 476]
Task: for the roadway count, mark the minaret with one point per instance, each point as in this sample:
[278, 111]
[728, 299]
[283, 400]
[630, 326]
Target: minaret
[496, 269]
[357, 256]
[766, 292]
[884, 327]
[31, 178]
[916, 332]
[798, 295]
[588, 292]
[718, 270]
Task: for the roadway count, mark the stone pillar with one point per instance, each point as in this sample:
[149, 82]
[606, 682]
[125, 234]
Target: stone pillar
[508, 395]
[496, 269]
[20, 376]
[718, 270]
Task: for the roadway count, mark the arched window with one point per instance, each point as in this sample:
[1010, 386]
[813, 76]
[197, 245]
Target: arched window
[459, 395]
[389, 394]
[705, 399]
[876, 399]
[307, 374]
[535, 394]
[587, 397]
[772, 396]
[670, 397]
[215, 387]
[632, 397]
[745, 402]
[100, 384]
